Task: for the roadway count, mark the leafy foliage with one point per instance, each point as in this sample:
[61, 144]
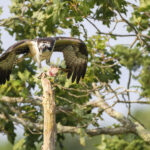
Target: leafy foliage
[124, 142]
[128, 57]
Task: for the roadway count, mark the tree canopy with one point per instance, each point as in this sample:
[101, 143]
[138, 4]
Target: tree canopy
[21, 97]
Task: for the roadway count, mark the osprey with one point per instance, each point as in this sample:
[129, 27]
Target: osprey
[74, 51]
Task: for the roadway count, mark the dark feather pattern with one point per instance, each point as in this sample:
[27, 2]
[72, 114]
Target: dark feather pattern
[76, 61]
[74, 51]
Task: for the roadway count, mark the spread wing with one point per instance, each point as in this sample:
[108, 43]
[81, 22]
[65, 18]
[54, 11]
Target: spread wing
[8, 58]
[75, 55]
[74, 50]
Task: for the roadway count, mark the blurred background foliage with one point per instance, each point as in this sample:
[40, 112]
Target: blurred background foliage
[42, 18]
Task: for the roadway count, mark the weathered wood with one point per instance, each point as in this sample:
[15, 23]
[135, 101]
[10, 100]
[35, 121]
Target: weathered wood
[49, 107]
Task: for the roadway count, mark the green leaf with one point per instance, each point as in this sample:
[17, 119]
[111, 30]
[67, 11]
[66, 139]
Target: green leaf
[9, 127]
[82, 136]
[1, 10]
[19, 145]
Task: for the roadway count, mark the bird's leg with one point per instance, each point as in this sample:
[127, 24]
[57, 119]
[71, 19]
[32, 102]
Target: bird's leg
[49, 57]
[37, 58]
[39, 65]
[63, 69]
[48, 61]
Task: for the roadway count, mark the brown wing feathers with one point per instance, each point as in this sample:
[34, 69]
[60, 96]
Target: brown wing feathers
[4, 75]
[74, 50]
[6, 62]
[8, 59]
[76, 60]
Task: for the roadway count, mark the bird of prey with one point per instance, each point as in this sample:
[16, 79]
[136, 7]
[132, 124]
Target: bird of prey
[74, 51]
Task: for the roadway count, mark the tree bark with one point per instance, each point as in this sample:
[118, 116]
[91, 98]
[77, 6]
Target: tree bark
[49, 108]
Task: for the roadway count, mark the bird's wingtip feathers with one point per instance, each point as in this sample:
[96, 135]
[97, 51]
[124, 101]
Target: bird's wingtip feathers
[4, 75]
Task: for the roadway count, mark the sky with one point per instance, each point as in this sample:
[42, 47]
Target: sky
[9, 40]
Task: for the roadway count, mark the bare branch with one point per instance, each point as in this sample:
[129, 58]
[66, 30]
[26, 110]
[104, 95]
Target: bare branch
[49, 107]
[110, 131]
[21, 100]
[135, 102]
[25, 123]
[111, 34]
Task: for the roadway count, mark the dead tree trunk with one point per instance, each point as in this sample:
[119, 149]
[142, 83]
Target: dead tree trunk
[49, 132]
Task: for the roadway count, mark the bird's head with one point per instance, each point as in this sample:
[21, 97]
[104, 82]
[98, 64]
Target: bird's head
[45, 46]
